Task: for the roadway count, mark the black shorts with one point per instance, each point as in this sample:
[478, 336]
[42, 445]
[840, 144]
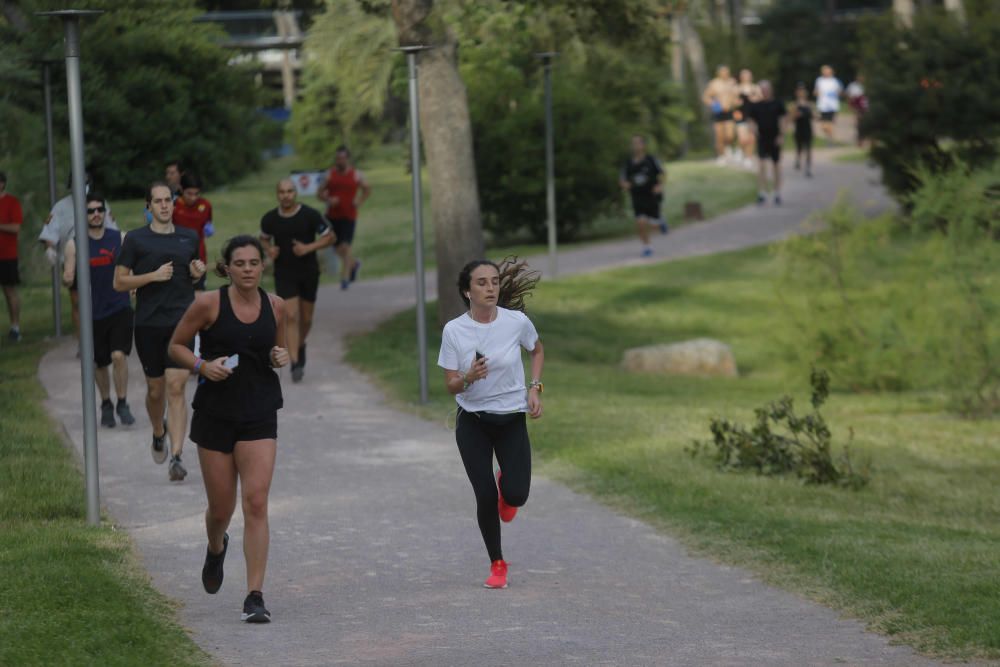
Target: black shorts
[827, 116]
[112, 334]
[646, 207]
[151, 344]
[9, 275]
[289, 285]
[343, 229]
[221, 435]
[722, 117]
[768, 149]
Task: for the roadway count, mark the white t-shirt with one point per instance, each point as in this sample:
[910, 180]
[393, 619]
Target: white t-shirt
[503, 390]
[828, 89]
[61, 226]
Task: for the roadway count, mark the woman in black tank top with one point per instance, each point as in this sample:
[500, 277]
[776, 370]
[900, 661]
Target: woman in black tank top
[235, 420]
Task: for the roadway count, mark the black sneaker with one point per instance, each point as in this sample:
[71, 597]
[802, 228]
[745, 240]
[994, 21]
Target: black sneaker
[254, 610]
[160, 446]
[124, 413]
[302, 355]
[297, 372]
[761, 199]
[211, 572]
[107, 414]
[14, 335]
[177, 472]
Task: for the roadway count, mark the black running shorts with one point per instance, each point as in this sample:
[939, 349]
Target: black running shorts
[768, 149]
[112, 334]
[289, 285]
[646, 207]
[343, 229]
[151, 344]
[221, 435]
[827, 116]
[9, 275]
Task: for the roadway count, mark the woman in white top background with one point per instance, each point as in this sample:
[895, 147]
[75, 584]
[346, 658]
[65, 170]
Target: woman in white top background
[483, 367]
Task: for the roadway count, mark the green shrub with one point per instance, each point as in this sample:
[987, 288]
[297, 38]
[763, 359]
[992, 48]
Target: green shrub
[803, 447]
[932, 91]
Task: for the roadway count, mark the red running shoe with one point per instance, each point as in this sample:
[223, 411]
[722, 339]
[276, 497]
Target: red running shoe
[507, 512]
[498, 575]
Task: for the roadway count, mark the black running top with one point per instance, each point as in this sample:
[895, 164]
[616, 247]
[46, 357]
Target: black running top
[253, 391]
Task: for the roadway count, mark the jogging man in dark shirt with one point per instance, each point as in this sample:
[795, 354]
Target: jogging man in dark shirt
[643, 178]
[160, 261]
[768, 115]
[291, 235]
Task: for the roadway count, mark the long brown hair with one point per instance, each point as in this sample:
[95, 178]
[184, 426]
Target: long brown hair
[517, 281]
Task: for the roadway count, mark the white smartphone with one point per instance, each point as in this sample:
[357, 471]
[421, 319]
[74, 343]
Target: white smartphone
[232, 361]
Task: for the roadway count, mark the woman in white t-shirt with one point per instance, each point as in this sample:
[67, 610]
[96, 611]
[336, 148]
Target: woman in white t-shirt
[481, 358]
[827, 90]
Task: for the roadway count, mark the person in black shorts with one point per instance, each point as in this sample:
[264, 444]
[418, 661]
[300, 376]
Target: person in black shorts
[291, 234]
[112, 310]
[643, 178]
[160, 261]
[803, 128]
[235, 421]
[767, 115]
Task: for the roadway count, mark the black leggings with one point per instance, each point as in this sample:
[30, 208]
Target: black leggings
[479, 436]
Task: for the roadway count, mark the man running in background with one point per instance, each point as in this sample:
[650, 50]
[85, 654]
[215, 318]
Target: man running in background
[160, 261]
[340, 192]
[11, 218]
[194, 212]
[59, 227]
[827, 91]
[767, 115]
[112, 311]
[291, 235]
[643, 178]
[720, 96]
[172, 172]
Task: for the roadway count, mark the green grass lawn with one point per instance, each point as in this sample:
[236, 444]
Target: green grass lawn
[914, 554]
[385, 230]
[72, 594]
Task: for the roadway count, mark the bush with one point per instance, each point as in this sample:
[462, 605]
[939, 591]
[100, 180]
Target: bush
[891, 307]
[804, 449]
[932, 92]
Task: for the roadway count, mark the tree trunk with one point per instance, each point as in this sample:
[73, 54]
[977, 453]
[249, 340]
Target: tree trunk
[695, 53]
[446, 130]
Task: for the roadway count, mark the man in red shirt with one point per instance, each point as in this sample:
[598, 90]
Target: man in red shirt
[193, 211]
[10, 225]
[340, 192]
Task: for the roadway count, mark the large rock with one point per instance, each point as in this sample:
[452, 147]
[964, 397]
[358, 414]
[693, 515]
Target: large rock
[701, 357]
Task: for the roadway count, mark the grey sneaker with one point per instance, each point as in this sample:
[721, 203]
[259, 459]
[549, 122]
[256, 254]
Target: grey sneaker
[124, 413]
[107, 414]
[160, 446]
[254, 610]
[297, 372]
[177, 472]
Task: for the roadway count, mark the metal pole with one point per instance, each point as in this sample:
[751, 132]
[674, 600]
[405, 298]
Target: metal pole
[51, 160]
[418, 211]
[71, 22]
[550, 167]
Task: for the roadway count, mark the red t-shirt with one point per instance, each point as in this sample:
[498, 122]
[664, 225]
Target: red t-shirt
[344, 186]
[194, 217]
[10, 214]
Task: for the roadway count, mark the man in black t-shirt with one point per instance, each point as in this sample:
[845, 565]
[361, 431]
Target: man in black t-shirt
[160, 262]
[643, 178]
[768, 116]
[291, 234]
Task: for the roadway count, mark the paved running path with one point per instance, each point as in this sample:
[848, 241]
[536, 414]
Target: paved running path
[375, 554]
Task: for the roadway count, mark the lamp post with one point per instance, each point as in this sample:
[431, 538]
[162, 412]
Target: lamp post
[71, 24]
[418, 214]
[550, 167]
[51, 162]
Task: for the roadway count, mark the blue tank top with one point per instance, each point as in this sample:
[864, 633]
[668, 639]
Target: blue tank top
[103, 258]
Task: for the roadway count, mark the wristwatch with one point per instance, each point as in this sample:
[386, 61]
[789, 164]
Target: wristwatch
[536, 384]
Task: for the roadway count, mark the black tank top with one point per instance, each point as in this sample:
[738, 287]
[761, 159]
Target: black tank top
[253, 391]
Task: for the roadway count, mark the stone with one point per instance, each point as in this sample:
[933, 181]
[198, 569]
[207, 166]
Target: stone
[701, 357]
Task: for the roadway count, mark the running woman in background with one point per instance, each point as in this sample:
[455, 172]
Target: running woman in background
[112, 311]
[643, 178]
[803, 129]
[340, 192]
[481, 357]
[291, 234]
[749, 93]
[827, 91]
[194, 212]
[160, 262]
[235, 421]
